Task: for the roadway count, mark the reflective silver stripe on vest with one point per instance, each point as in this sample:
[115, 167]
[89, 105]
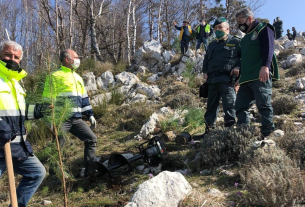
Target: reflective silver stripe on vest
[11, 112]
[76, 109]
[86, 108]
[19, 139]
[68, 94]
[84, 95]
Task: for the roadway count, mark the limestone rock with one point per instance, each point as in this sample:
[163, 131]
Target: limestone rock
[165, 190]
[127, 78]
[138, 98]
[89, 81]
[279, 133]
[293, 60]
[153, 50]
[167, 56]
[106, 80]
[142, 69]
[151, 91]
[150, 125]
[153, 78]
[100, 98]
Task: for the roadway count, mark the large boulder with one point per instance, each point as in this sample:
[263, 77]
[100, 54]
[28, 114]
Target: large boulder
[89, 81]
[291, 44]
[127, 78]
[282, 40]
[138, 98]
[151, 91]
[106, 80]
[165, 190]
[153, 50]
[293, 60]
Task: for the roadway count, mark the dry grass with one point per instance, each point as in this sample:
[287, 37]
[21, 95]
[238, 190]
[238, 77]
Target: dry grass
[284, 104]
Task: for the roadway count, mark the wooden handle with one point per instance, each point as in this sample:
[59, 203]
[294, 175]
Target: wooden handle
[10, 174]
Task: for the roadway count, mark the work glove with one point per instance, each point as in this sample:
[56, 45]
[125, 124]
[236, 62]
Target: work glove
[92, 122]
[40, 109]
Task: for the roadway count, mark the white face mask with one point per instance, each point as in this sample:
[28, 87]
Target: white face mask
[76, 63]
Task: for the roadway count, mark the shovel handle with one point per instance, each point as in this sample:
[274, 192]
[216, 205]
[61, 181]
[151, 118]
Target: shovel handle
[10, 174]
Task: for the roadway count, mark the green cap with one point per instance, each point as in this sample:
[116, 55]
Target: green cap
[219, 21]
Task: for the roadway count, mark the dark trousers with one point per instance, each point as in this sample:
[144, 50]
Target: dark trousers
[202, 40]
[81, 130]
[278, 34]
[228, 95]
[260, 92]
[184, 44]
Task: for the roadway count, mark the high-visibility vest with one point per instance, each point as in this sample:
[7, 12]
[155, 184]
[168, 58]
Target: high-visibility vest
[12, 112]
[182, 30]
[207, 29]
[66, 83]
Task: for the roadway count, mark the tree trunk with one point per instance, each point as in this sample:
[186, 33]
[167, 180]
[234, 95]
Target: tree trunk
[134, 38]
[93, 18]
[127, 33]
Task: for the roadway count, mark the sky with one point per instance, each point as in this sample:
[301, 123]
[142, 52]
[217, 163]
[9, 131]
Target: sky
[292, 12]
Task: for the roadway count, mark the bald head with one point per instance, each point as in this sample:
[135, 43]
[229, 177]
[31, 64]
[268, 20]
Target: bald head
[67, 58]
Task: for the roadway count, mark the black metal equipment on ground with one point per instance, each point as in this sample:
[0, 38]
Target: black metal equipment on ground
[151, 152]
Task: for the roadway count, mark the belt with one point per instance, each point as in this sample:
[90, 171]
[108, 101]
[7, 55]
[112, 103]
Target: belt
[19, 139]
[219, 73]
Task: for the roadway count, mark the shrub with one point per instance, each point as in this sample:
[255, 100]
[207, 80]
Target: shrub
[224, 145]
[294, 144]
[285, 53]
[100, 109]
[284, 104]
[117, 97]
[296, 70]
[119, 67]
[134, 117]
[272, 179]
[182, 99]
[97, 67]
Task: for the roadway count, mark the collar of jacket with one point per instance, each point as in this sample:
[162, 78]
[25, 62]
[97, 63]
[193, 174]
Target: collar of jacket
[10, 73]
[66, 69]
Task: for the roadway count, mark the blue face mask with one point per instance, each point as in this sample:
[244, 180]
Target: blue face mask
[219, 34]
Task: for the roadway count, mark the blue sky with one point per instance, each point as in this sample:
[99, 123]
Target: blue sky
[292, 12]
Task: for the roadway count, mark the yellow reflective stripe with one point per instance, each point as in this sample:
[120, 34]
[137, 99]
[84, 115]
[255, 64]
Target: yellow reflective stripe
[12, 112]
[19, 139]
[86, 108]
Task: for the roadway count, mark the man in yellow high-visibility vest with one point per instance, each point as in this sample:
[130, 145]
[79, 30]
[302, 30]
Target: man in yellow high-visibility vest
[203, 32]
[66, 83]
[13, 112]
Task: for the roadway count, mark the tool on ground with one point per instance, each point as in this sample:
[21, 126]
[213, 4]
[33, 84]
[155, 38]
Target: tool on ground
[151, 152]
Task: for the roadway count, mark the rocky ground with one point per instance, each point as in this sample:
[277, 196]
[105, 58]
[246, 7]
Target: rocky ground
[158, 95]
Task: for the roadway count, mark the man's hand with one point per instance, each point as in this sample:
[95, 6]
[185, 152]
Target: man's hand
[175, 23]
[264, 74]
[205, 75]
[92, 122]
[236, 86]
[235, 71]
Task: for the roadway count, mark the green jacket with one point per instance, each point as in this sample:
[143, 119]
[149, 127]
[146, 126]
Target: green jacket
[251, 54]
[221, 57]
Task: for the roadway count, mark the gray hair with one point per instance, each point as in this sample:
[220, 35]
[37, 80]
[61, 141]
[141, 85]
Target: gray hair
[64, 54]
[13, 44]
[245, 13]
